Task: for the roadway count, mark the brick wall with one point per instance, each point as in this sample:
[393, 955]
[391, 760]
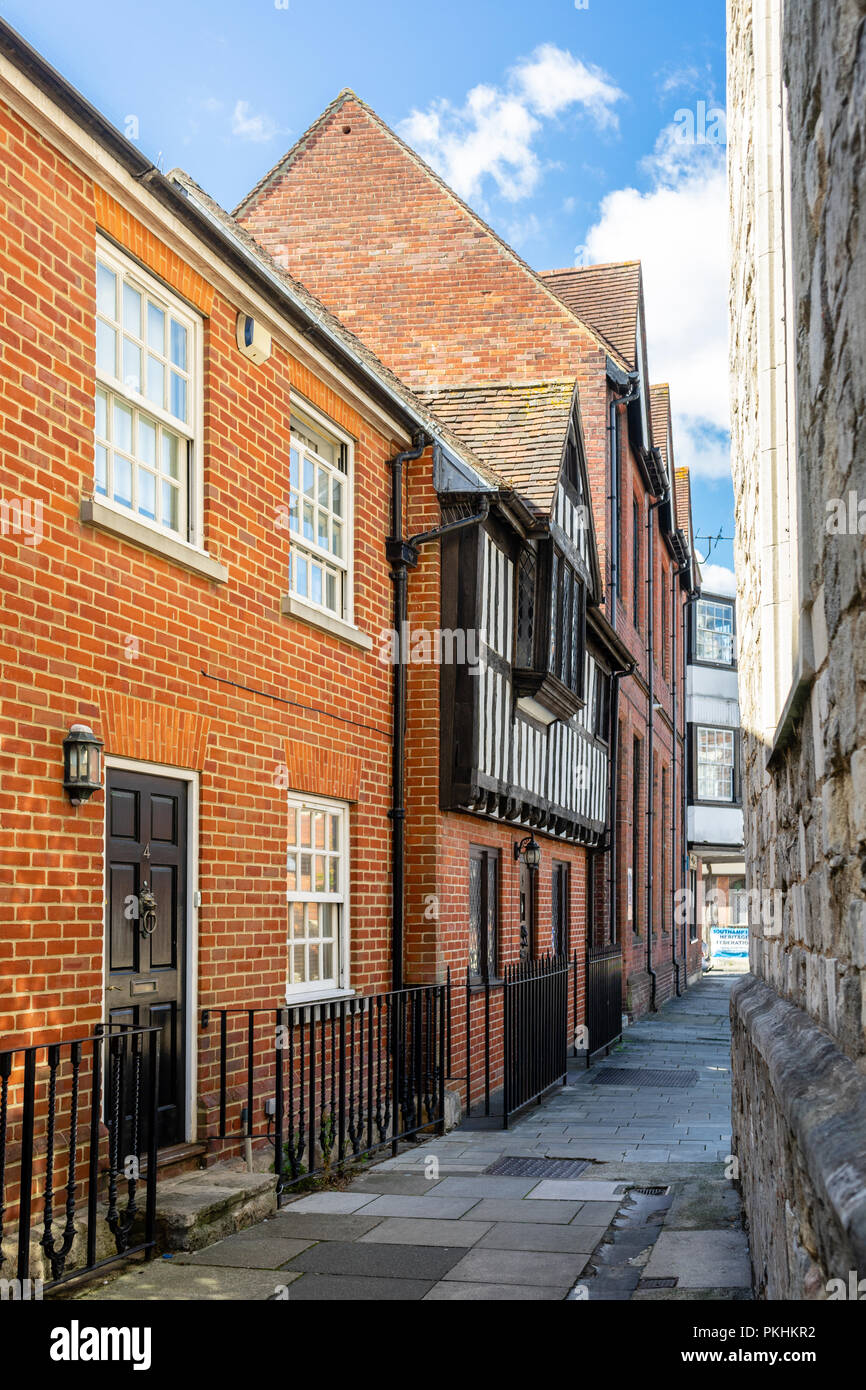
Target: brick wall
[166, 665]
[401, 260]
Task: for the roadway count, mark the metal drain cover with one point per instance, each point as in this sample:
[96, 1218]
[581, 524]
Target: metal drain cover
[663, 1079]
[537, 1168]
[657, 1284]
[651, 1191]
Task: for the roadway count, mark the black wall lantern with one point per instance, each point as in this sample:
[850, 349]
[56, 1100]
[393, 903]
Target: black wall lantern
[82, 763]
[530, 850]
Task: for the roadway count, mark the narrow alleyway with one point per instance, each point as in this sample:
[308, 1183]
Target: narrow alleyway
[632, 1201]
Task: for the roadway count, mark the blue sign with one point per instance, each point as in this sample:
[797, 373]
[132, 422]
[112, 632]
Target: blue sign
[729, 941]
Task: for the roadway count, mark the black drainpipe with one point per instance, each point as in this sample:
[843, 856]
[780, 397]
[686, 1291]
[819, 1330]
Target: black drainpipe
[676, 847]
[613, 437]
[402, 554]
[402, 559]
[650, 798]
[612, 839]
[687, 772]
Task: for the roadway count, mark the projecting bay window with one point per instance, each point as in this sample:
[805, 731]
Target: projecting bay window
[317, 875]
[715, 759]
[319, 518]
[148, 387]
[714, 632]
[551, 634]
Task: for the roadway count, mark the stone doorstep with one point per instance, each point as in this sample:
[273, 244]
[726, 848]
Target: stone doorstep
[195, 1209]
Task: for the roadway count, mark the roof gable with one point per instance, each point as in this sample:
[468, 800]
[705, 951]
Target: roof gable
[357, 215]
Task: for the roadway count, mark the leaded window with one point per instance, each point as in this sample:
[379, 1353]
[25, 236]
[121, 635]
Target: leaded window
[483, 912]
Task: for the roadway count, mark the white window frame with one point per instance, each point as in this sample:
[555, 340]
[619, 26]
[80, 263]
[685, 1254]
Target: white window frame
[340, 985]
[301, 407]
[730, 733]
[713, 603]
[126, 267]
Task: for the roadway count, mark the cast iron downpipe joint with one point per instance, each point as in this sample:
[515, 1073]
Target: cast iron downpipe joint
[650, 797]
[402, 554]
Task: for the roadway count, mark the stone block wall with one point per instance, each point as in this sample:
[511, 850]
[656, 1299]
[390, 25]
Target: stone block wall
[798, 334]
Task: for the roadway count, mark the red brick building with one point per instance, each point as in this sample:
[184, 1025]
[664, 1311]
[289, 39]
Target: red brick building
[383, 679]
[456, 313]
[227, 485]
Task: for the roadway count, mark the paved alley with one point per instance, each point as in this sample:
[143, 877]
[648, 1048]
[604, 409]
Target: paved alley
[614, 1188]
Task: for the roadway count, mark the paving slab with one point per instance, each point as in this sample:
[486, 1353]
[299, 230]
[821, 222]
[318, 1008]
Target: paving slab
[517, 1267]
[515, 1209]
[334, 1288]
[485, 1187]
[344, 1203]
[303, 1225]
[409, 1230]
[454, 1292]
[268, 1252]
[706, 1204]
[529, 1235]
[576, 1190]
[437, 1208]
[378, 1261]
[701, 1259]
[395, 1184]
[167, 1281]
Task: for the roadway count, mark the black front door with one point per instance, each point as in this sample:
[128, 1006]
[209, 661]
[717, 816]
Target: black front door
[146, 849]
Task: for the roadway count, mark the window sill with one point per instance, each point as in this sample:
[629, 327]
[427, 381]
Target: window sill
[314, 998]
[95, 512]
[347, 632]
[792, 712]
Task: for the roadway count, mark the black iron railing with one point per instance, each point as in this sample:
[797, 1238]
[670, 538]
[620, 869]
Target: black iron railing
[603, 998]
[536, 1032]
[511, 1035]
[84, 1110]
[329, 1083]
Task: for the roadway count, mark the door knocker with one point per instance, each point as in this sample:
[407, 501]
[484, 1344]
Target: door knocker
[146, 910]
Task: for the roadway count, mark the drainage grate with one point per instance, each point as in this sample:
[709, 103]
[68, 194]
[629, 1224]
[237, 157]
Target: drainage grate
[657, 1284]
[646, 1076]
[537, 1168]
[651, 1191]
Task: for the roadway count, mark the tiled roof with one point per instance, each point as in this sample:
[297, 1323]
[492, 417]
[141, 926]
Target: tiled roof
[604, 296]
[683, 500]
[660, 410]
[517, 430]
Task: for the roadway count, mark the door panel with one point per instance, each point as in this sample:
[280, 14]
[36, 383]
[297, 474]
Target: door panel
[146, 850]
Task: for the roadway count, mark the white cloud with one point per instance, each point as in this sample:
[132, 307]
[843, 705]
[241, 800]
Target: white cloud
[553, 80]
[678, 229]
[718, 579]
[492, 135]
[248, 126]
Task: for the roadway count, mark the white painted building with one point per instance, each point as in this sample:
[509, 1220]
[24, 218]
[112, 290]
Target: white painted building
[714, 785]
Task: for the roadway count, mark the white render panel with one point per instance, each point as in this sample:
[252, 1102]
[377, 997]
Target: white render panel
[715, 825]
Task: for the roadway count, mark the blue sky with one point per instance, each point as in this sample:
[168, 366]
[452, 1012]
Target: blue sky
[582, 132]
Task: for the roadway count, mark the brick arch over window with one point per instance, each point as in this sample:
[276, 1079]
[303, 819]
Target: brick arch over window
[324, 772]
